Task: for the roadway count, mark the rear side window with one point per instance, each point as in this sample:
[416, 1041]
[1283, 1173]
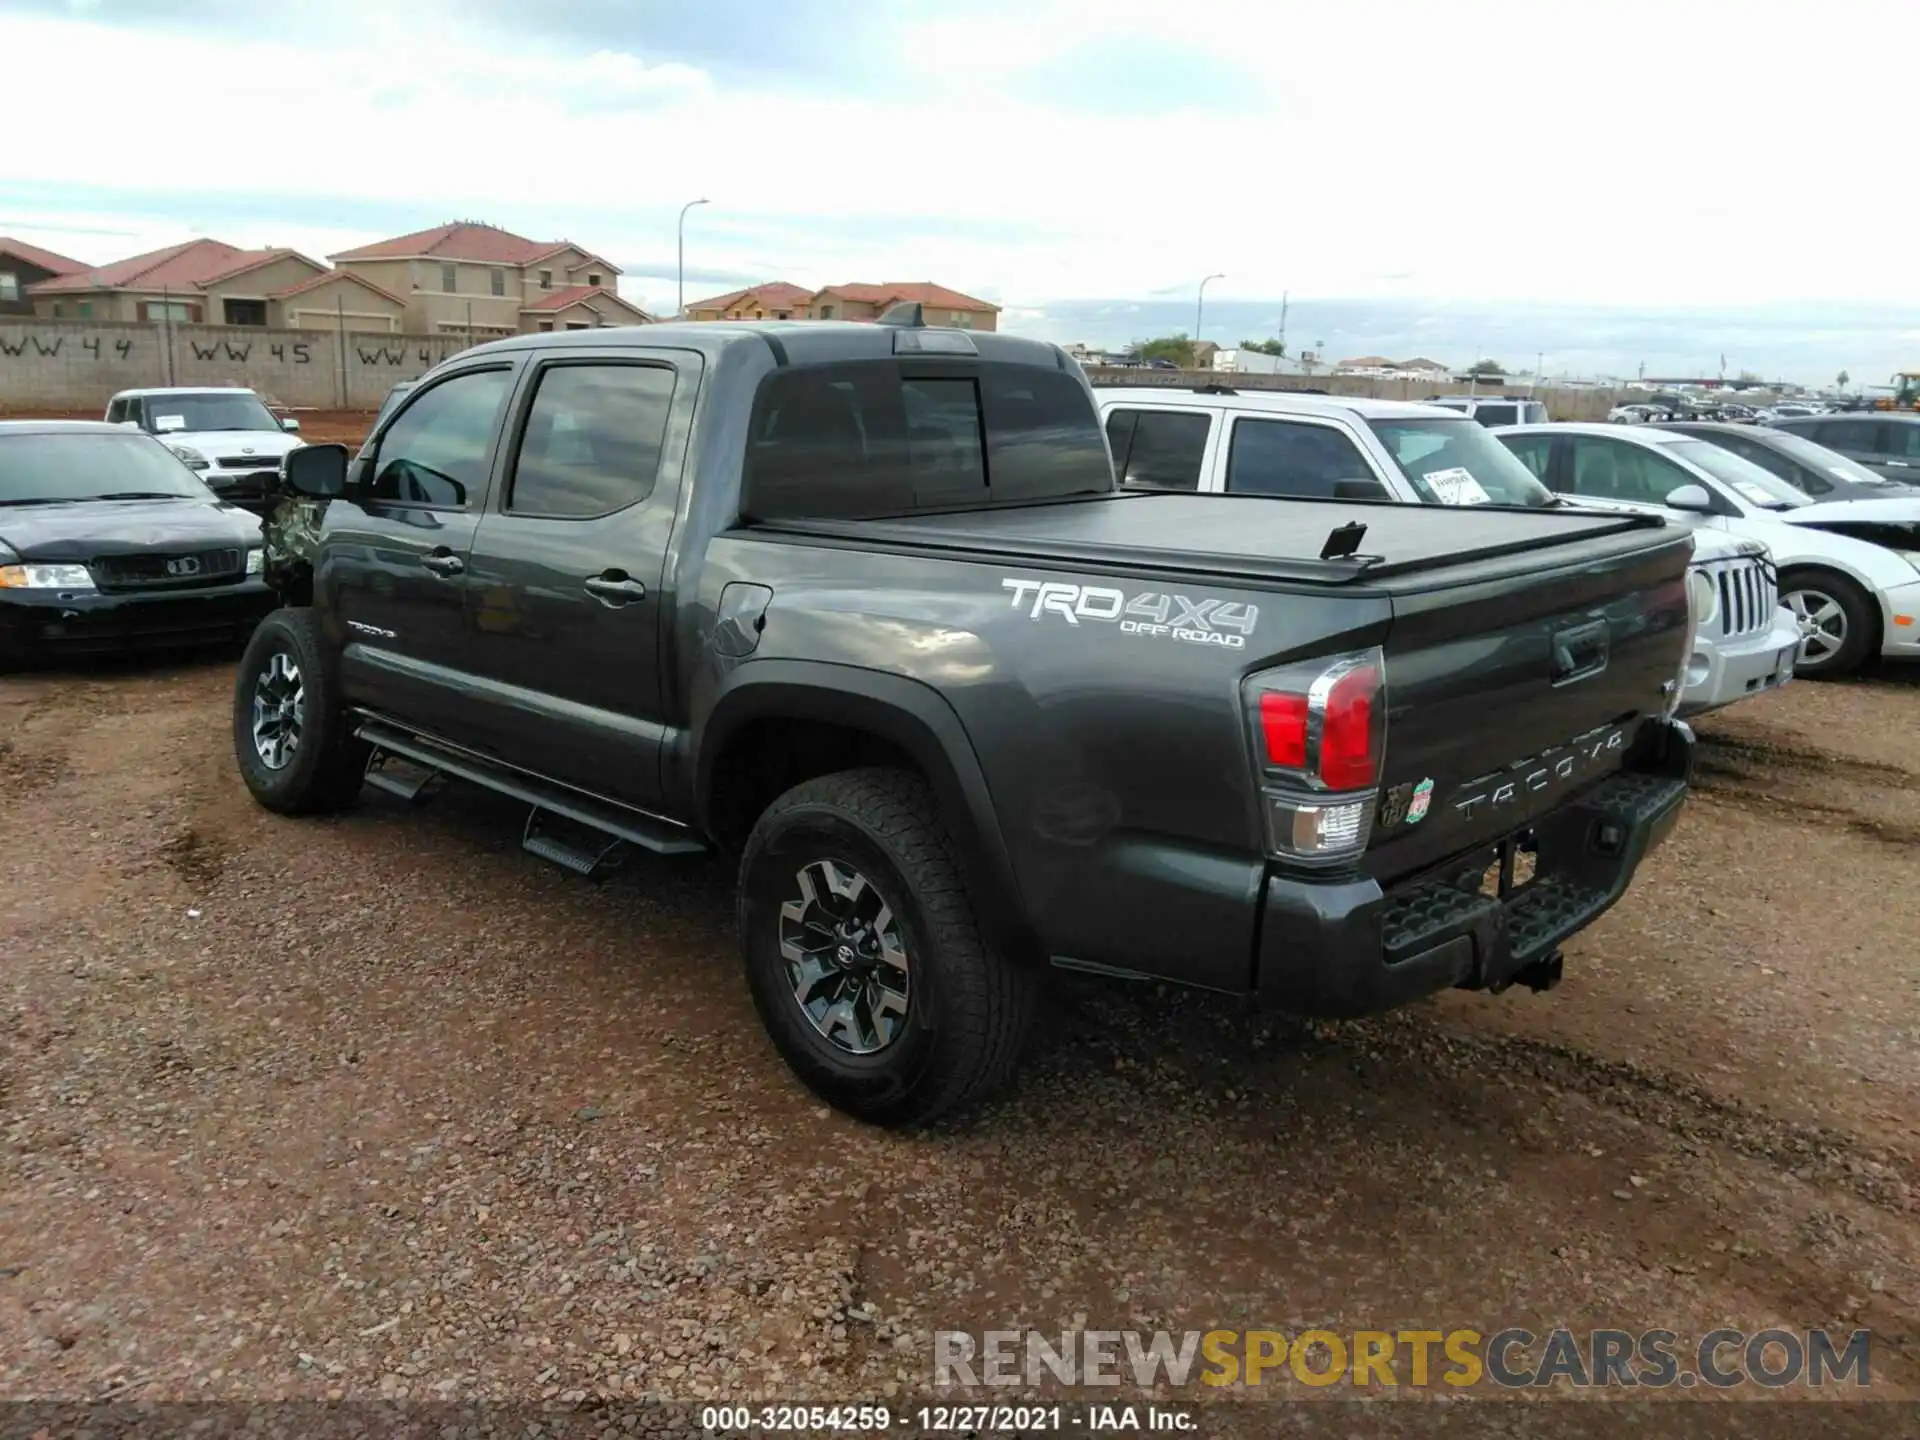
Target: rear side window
[1283, 457]
[1158, 449]
[844, 441]
[1534, 451]
[592, 442]
[1497, 414]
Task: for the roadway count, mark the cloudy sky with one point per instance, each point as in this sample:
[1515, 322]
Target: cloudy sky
[1610, 186]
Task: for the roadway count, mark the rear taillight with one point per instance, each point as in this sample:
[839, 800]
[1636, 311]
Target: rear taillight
[1320, 738]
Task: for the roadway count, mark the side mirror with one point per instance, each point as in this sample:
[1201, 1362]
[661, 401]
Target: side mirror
[290, 424]
[1360, 490]
[1690, 497]
[315, 472]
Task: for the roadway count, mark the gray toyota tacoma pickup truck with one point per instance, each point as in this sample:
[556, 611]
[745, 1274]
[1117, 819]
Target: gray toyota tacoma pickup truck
[862, 605]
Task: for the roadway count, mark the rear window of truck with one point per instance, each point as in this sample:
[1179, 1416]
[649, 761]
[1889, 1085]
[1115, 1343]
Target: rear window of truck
[887, 438]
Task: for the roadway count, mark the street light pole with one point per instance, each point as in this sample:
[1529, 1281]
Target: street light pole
[680, 305]
[1200, 306]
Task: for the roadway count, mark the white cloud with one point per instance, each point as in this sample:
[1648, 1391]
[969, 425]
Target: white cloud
[1641, 155]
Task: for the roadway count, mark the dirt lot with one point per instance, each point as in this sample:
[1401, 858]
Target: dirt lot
[380, 1106]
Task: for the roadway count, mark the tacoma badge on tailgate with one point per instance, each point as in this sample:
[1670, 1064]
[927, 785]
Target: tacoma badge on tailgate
[1550, 770]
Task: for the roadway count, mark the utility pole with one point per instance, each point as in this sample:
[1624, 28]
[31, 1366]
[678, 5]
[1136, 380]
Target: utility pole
[680, 268]
[1282, 336]
[1538, 357]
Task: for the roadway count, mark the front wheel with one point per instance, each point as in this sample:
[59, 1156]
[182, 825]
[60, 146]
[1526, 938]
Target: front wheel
[290, 736]
[863, 954]
[1838, 618]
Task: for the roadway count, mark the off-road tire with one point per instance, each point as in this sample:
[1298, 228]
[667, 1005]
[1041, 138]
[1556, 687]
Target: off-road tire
[326, 769]
[969, 1008]
[1862, 619]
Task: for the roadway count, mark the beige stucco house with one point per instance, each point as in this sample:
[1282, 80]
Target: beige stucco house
[468, 278]
[200, 282]
[777, 300]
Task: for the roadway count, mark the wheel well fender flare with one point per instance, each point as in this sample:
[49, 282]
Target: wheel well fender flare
[909, 715]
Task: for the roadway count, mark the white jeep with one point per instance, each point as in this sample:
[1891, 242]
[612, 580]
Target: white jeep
[224, 434]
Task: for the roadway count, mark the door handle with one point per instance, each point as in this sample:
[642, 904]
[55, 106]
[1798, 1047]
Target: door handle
[443, 562]
[616, 589]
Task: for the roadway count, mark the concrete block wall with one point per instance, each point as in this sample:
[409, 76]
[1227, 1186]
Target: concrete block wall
[78, 365]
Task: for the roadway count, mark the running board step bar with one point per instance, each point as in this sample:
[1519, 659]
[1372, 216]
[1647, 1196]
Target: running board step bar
[399, 777]
[593, 860]
[649, 832]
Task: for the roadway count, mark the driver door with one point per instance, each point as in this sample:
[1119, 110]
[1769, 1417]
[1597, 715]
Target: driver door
[392, 563]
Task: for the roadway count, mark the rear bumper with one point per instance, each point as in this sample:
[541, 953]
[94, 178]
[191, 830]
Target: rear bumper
[47, 625]
[1721, 672]
[1350, 948]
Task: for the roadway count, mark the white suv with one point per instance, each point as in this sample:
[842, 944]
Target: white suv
[1310, 447]
[225, 435]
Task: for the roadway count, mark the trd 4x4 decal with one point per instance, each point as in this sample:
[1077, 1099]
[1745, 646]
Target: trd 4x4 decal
[1205, 621]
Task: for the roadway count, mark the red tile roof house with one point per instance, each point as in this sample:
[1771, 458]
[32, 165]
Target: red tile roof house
[869, 302]
[777, 300]
[199, 282]
[22, 265]
[466, 277]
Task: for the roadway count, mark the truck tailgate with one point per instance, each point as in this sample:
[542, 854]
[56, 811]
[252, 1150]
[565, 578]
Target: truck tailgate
[1509, 694]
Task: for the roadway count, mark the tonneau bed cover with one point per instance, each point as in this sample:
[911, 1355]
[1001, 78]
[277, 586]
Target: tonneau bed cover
[1244, 536]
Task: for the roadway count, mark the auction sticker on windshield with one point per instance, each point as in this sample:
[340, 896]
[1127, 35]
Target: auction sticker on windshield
[1756, 493]
[1456, 487]
[169, 422]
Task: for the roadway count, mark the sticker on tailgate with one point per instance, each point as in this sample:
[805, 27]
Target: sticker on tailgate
[1158, 614]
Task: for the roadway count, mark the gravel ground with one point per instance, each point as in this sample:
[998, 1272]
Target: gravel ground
[379, 1106]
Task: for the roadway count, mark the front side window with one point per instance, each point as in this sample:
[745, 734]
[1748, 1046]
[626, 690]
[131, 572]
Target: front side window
[1746, 479]
[1615, 470]
[436, 451]
[1158, 449]
[592, 442]
[1289, 457]
[1457, 462]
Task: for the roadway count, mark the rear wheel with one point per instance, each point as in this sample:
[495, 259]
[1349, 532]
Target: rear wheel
[290, 736]
[864, 957]
[1838, 618]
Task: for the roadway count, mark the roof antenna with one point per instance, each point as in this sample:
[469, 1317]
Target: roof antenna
[1343, 541]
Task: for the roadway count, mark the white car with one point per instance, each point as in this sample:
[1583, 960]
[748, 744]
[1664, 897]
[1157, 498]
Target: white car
[1266, 442]
[224, 434]
[1854, 597]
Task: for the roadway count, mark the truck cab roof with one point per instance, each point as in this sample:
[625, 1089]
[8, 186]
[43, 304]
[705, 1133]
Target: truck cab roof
[793, 342]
